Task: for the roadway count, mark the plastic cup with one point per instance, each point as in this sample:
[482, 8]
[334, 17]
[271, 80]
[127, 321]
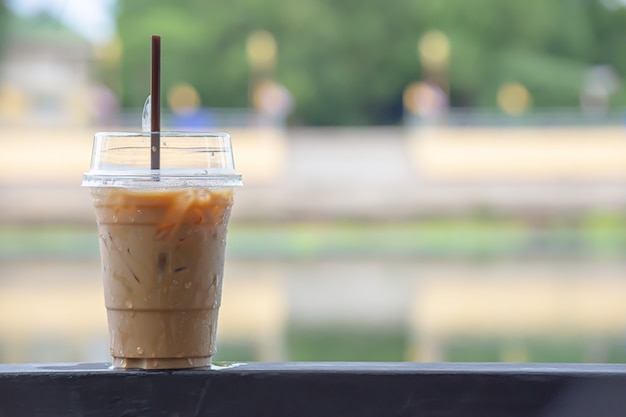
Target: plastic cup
[162, 235]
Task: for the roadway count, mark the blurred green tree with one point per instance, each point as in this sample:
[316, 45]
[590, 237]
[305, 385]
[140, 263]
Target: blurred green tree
[608, 18]
[348, 61]
[341, 61]
[4, 23]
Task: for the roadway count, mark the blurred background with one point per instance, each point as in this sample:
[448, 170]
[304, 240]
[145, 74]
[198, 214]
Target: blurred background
[425, 179]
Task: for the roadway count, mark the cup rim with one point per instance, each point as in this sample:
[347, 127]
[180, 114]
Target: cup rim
[168, 133]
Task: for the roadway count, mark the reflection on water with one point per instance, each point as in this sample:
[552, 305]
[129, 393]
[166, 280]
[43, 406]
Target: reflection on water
[52, 310]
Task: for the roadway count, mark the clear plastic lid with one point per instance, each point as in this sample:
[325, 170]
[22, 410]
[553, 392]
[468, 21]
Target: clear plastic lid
[187, 159]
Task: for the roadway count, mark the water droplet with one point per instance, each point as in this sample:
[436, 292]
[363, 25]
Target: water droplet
[114, 219]
[155, 364]
[188, 285]
[132, 314]
[131, 219]
[139, 350]
[139, 211]
[191, 361]
[123, 362]
[164, 143]
[154, 149]
[213, 285]
[128, 304]
[145, 116]
[174, 282]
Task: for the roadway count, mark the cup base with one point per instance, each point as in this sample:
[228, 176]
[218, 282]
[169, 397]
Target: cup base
[161, 363]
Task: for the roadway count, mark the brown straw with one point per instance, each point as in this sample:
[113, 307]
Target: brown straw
[155, 103]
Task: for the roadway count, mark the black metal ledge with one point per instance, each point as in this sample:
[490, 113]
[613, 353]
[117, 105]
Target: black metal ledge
[316, 389]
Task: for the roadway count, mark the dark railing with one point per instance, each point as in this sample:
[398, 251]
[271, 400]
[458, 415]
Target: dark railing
[317, 389]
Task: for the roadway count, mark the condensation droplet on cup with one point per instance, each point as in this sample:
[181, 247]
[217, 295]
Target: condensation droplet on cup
[187, 285]
[128, 304]
[139, 211]
[191, 361]
[146, 116]
[213, 285]
[155, 364]
[139, 350]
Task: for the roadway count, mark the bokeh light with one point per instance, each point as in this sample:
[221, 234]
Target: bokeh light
[261, 49]
[109, 54]
[424, 99]
[272, 99]
[183, 98]
[514, 98]
[434, 49]
[13, 102]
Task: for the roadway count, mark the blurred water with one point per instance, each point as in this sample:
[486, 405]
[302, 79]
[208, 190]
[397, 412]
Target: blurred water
[351, 242]
[57, 312]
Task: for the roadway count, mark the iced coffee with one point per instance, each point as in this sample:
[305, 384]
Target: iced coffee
[163, 260]
[162, 239]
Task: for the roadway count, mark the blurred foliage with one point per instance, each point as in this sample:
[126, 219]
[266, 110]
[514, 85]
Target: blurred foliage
[331, 55]
[350, 343]
[598, 235]
[348, 61]
[345, 343]
[4, 23]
